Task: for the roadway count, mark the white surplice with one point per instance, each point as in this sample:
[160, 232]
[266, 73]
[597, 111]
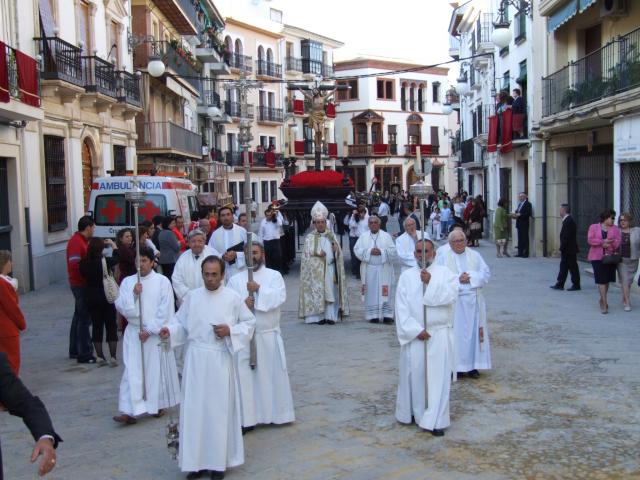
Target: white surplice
[265, 391]
[210, 424]
[221, 240]
[439, 297]
[376, 273]
[471, 309]
[406, 247]
[157, 311]
[187, 273]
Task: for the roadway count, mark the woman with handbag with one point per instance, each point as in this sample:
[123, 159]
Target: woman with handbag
[604, 240]
[501, 224]
[630, 252]
[94, 267]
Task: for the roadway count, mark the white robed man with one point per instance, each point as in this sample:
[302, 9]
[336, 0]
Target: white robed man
[214, 323]
[473, 352]
[377, 252]
[406, 244]
[162, 390]
[227, 242]
[439, 297]
[265, 391]
[323, 286]
[187, 273]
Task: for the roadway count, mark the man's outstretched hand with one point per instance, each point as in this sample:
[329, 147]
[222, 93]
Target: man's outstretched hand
[44, 448]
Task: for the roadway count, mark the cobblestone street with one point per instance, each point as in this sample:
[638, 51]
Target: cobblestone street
[562, 400]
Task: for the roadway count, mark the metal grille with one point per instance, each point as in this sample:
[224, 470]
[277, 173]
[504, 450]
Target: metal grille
[54, 161]
[590, 188]
[630, 190]
[5, 227]
[119, 160]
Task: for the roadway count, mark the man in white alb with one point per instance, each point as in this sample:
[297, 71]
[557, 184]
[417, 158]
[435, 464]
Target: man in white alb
[406, 244]
[473, 352]
[377, 252]
[227, 242]
[269, 236]
[156, 295]
[439, 297]
[214, 323]
[264, 390]
[187, 274]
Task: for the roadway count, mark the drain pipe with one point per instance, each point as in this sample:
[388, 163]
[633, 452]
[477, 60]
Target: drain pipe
[545, 245]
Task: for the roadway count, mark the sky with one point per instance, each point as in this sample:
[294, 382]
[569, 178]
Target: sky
[414, 30]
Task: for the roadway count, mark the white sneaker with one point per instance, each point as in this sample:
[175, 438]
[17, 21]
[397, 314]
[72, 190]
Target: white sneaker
[113, 362]
[101, 362]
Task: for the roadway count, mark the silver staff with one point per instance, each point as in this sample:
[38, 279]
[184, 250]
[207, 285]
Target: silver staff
[136, 199]
[421, 190]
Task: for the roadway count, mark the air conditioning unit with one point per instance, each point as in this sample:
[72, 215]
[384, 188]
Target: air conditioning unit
[614, 8]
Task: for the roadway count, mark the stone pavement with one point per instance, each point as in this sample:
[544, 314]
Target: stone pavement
[562, 400]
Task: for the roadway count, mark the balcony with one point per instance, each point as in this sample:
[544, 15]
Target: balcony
[327, 70]
[482, 38]
[607, 72]
[265, 68]
[168, 139]
[182, 15]
[211, 52]
[100, 81]
[425, 149]
[371, 150]
[454, 47]
[20, 96]
[239, 62]
[256, 159]
[270, 115]
[293, 64]
[128, 95]
[233, 110]
[183, 63]
[480, 122]
[61, 72]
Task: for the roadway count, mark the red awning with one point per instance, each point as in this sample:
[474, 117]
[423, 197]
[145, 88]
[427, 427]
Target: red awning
[492, 141]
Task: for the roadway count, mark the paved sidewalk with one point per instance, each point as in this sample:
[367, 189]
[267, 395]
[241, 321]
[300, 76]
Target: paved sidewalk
[562, 400]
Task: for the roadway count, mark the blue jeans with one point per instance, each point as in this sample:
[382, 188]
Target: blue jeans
[80, 335]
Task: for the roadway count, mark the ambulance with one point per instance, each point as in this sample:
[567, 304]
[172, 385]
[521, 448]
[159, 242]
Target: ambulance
[164, 196]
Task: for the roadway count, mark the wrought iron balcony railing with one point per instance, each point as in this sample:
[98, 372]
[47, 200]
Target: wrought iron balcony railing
[61, 61]
[268, 69]
[13, 74]
[169, 136]
[268, 114]
[233, 109]
[240, 62]
[294, 64]
[612, 69]
[467, 151]
[129, 88]
[99, 76]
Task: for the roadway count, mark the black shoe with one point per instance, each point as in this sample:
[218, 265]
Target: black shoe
[374, 320]
[247, 429]
[215, 474]
[557, 287]
[88, 360]
[197, 474]
[321, 322]
[462, 374]
[474, 373]
[574, 288]
[330, 322]
[437, 432]
[388, 321]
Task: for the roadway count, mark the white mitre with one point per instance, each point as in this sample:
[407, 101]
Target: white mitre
[319, 211]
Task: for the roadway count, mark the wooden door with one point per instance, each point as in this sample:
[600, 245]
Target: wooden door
[87, 173]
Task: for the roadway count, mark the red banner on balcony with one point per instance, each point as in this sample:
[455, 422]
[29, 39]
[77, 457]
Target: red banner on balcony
[27, 78]
[4, 74]
[426, 149]
[380, 149]
[299, 147]
[331, 110]
[298, 107]
[332, 149]
[507, 131]
[518, 124]
[492, 140]
[270, 159]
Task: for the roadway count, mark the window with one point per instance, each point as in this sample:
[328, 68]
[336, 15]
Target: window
[385, 89]
[84, 28]
[435, 137]
[522, 76]
[272, 141]
[264, 141]
[54, 165]
[276, 15]
[435, 92]
[115, 210]
[254, 190]
[119, 160]
[274, 189]
[264, 190]
[403, 97]
[420, 98]
[506, 81]
[233, 191]
[240, 193]
[351, 94]
[311, 57]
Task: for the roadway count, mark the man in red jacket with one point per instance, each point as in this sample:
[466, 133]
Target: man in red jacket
[80, 346]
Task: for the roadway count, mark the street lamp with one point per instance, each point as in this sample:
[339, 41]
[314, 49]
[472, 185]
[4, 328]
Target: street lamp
[462, 84]
[447, 108]
[213, 112]
[155, 67]
[501, 36]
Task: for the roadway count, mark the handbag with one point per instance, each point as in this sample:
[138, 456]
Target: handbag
[475, 226]
[111, 289]
[611, 259]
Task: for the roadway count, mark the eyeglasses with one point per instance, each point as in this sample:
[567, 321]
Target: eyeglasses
[460, 240]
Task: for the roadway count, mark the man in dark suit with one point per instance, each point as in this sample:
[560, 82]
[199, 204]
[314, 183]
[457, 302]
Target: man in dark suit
[522, 215]
[568, 251]
[15, 397]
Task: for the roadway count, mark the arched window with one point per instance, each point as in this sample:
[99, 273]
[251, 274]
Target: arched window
[412, 97]
[420, 97]
[228, 44]
[403, 96]
[269, 55]
[238, 47]
[238, 59]
[260, 53]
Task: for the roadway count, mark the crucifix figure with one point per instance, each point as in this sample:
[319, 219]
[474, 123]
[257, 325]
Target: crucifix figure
[317, 115]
